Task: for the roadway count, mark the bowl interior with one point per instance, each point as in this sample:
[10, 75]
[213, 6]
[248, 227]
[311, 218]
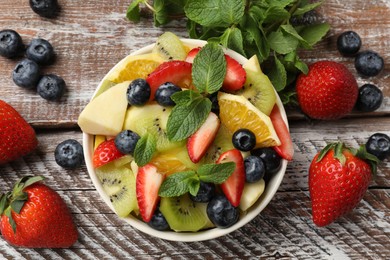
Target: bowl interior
[269, 192]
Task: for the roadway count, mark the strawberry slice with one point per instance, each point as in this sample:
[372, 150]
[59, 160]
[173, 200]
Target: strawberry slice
[176, 72]
[105, 153]
[235, 75]
[147, 185]
[200, 141]
[191, 55]
[286, 149]
[234, 185]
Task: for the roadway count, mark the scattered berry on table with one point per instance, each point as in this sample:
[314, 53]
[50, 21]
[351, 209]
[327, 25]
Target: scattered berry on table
[45, 8]
[11, 44]
[164, 92]
[244, 140]
[69, 154]
[205, 193]
[158, 221]
[221, 212]
[369, 63]
[26, 74]
[51, 87]
[271, 159]
[378, 144]
[138, 92]
[254, 168]
[349, 43]
[370, 98]
[126, 141]
[41, 51]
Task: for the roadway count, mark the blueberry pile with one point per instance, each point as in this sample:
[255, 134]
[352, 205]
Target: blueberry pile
[368, 64]
[27, 73]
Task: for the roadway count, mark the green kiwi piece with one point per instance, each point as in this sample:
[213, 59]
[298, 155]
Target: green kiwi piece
[221, 144]
[182, 214]
[259, 90]
[151, 118]
[170, 47]
[119, 184]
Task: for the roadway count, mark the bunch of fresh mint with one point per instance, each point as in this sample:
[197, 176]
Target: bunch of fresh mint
[274, 30]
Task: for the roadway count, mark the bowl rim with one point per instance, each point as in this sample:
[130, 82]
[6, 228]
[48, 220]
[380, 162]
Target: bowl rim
[262, 202]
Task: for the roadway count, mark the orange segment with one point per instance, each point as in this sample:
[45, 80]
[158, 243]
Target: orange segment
[237, 112]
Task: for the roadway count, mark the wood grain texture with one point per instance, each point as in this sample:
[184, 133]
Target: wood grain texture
[89, 37]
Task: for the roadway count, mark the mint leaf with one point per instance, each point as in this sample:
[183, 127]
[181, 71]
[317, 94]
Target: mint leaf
[301, 66]
[209, 68]
[314, 33]
[179, 183]
[278, 75]
[184, 120]
[184, 97]
[232, 39]
[144, 149]
[133, 12]
[160, 13]
[216, 173]
[289, 29]
[282, 43]
[275, 13]
[307, 8]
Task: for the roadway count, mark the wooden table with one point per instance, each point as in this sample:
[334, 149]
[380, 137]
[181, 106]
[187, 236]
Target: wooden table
[89, 37]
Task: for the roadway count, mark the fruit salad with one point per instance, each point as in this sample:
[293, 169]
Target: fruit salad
[186, 138]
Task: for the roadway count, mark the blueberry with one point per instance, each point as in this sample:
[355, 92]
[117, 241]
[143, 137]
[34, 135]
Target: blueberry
[221, 212]
[244, 140]
[26, 74]
[164, 93]
[126, 141]
[51, 87]
[369, 99]
[369, 63]
[69, 154]
[349, 43]
[205, 194]
[40, 51]
[254, 168]
[307, 18]
[45, 8]
[158, 221]
[271, 159]
[138, 92]
[378, 144]
[11, 44]
[214, 103]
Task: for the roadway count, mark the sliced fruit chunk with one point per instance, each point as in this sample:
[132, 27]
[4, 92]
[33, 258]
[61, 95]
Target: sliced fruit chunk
[119, 185]
[170, 47]
[176, 72]
[105, 114]
[235, 75]
[237, 112]
[106, 152]
[172, 161]
[134, 67]
[258, 89]
[148, 183]
[152, 119]
[200, 141]
[98, 140]
[191, 55]
[286, 149]
[221, 144]
[251, 193]
[234, 185]
[182, 214]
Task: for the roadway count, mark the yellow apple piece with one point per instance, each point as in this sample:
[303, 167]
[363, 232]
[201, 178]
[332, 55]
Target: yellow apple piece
[251, 193]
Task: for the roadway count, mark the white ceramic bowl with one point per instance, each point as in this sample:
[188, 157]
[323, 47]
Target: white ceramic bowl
[255, 210]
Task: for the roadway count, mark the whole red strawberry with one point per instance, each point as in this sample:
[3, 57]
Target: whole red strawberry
[328, 91]
[338, 179]
[17, 137]
[33, 215]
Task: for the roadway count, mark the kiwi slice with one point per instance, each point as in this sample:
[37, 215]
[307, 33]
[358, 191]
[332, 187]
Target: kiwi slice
[182, 214]
[119, 185]
[259, 90]
[151, 118]
[170, 47]
[221, 144]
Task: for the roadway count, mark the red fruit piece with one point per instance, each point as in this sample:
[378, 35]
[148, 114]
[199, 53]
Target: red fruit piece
[191, 55]
[176, 72]
[286, 149]
[105, 153]
[17, 137]
[328, 91]
[338, 179]
[41, 221]
[235, 75]
[147, 185]
[200, 141]
[234, 185]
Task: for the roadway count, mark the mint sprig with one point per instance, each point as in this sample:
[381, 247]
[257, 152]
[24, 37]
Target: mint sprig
[145, 149]
[189, 181]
